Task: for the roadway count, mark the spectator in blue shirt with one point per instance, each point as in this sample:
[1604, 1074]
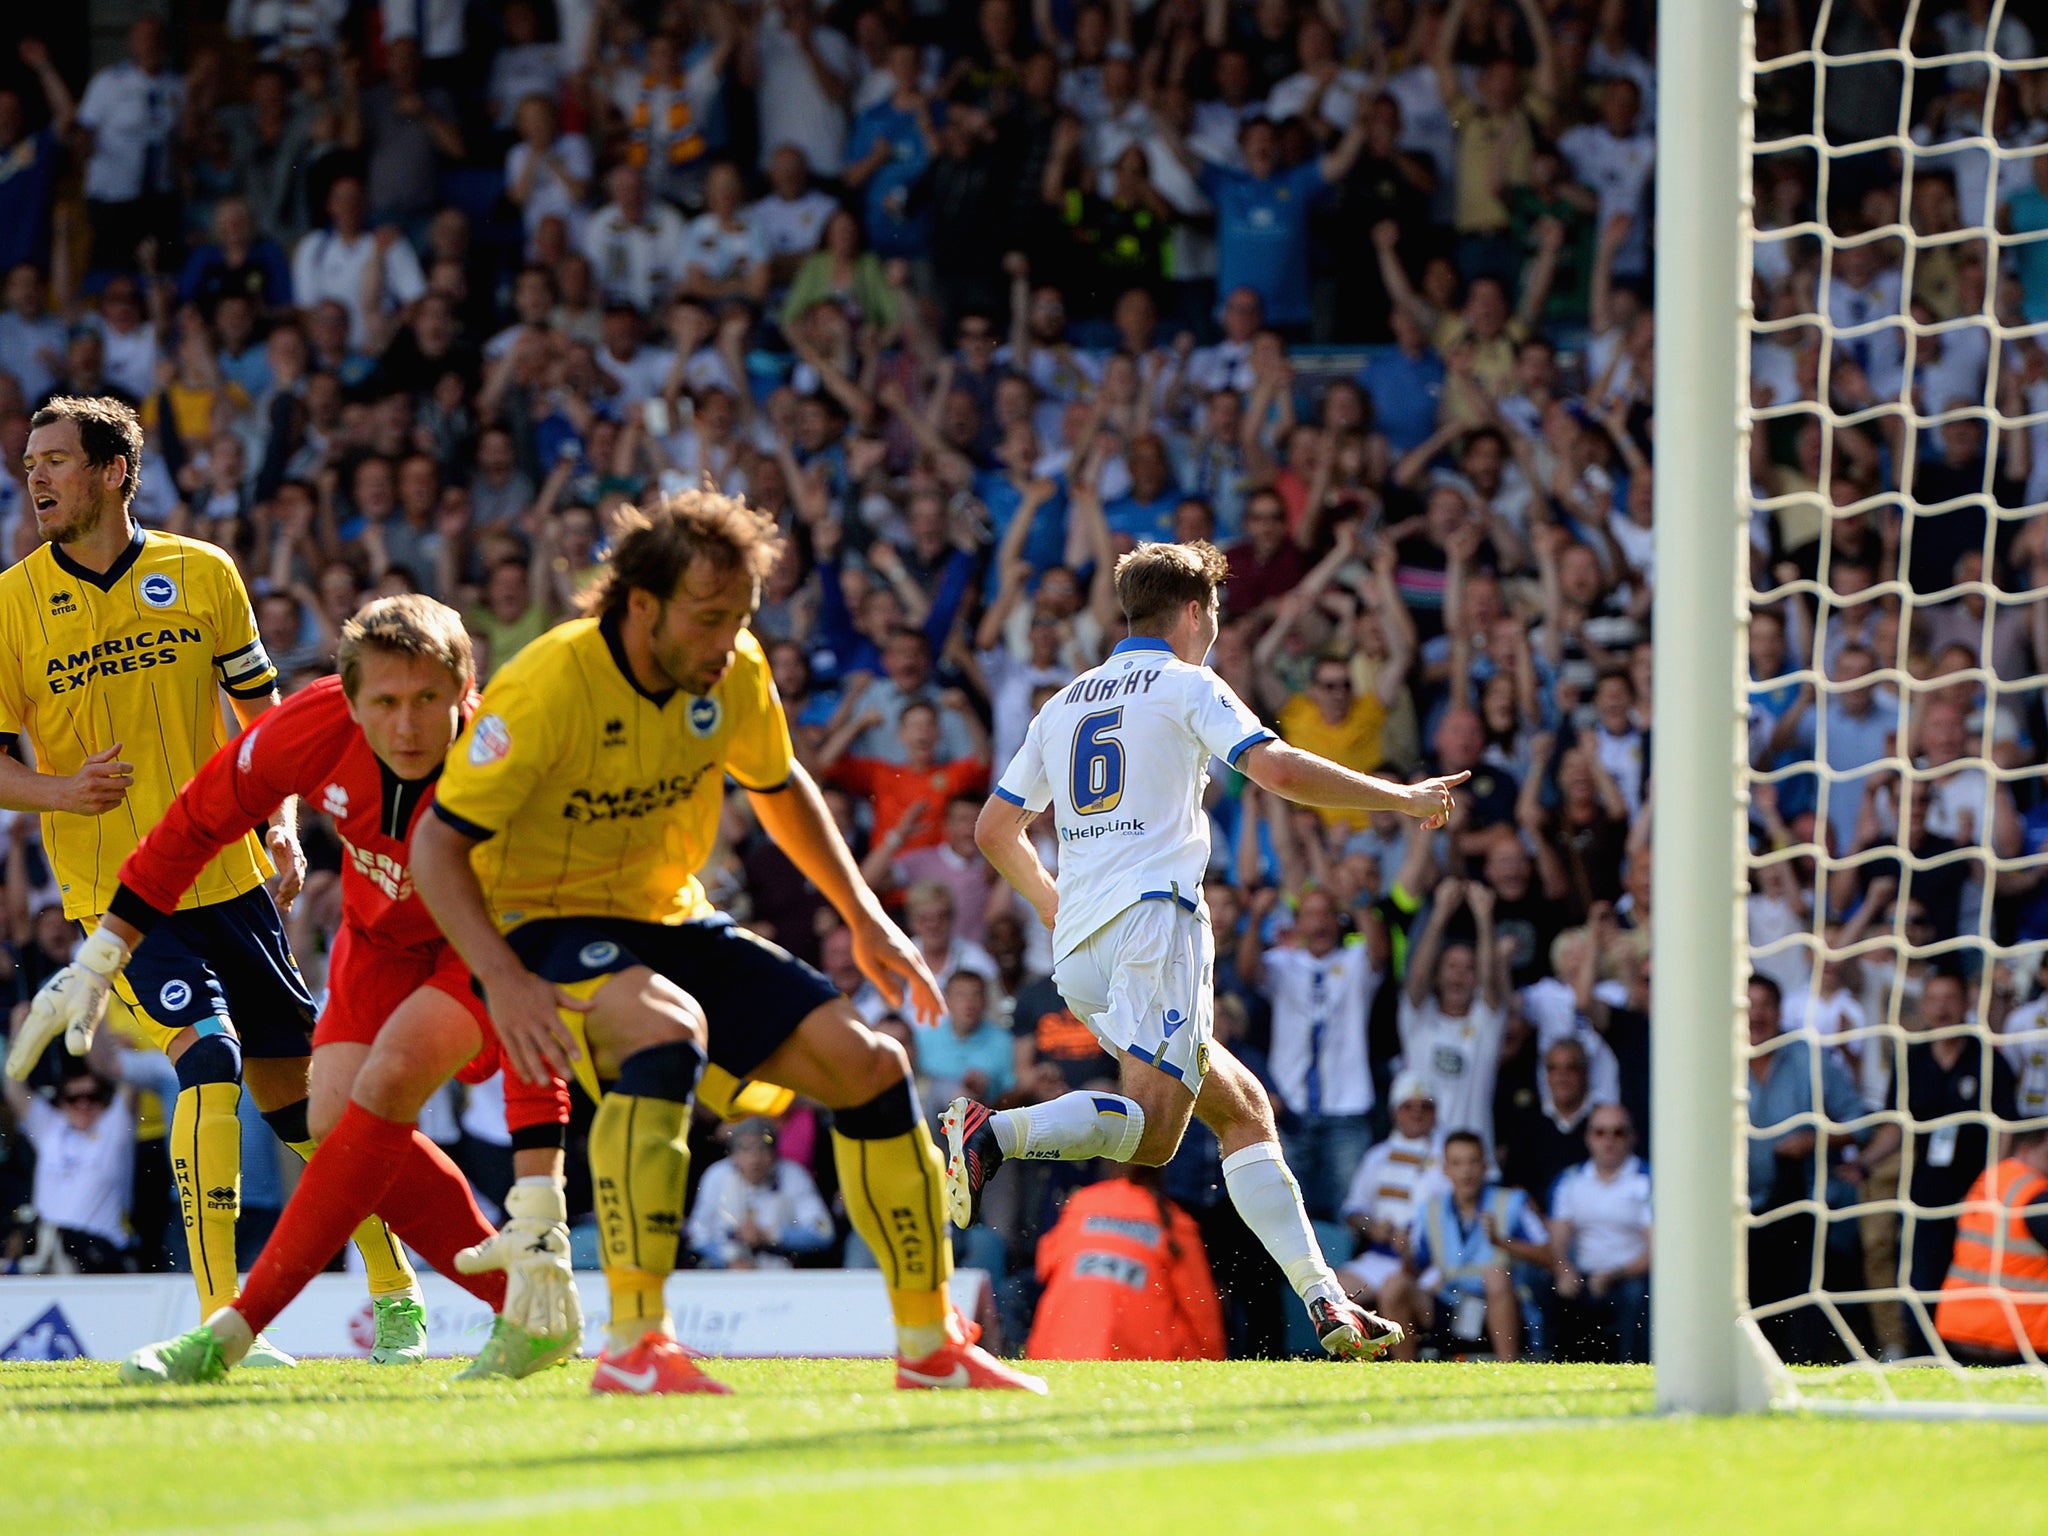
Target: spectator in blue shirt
[1788, 1158]
[1144, 513]
[970, 1053]
[29, 161]
[1262, 214]
[1406, 383]
[2027, 213]
[891, 146]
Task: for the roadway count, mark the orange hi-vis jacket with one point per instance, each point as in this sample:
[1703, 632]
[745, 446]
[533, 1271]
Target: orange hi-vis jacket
[1996, 1292]
[1115, 1287]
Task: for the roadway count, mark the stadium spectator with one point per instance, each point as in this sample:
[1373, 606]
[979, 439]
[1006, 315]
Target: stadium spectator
[1457, 1277]
[1321, 991]
[755, 1209]
[85, 1162]
[1395, 1177]
[1600, 1232]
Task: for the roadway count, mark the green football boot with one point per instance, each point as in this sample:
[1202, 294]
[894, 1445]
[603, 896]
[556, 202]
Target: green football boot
[511, 1353]
[401, 1329]
[187, 1360]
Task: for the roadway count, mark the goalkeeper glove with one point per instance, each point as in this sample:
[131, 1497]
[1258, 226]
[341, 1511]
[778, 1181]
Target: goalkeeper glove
[533, 1250]
[71, 1003]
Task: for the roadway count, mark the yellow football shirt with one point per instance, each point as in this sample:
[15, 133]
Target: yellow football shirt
[1353, 741]
[596, 799]
[135, 655]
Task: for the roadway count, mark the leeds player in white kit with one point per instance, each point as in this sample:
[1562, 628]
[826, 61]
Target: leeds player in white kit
[1121, 755]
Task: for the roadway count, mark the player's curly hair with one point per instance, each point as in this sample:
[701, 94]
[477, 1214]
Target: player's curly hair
[406, 625]
[107, 430]
[657, 543]
[1155, 581]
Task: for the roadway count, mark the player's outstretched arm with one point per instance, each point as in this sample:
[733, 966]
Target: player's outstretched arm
[524, 1008]
[1002, 832]
[796, 819]
[1307, 779]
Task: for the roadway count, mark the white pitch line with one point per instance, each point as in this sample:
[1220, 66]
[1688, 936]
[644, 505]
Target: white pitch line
[698, 1490]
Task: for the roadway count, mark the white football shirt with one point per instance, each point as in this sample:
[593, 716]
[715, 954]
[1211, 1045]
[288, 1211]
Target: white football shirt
[1122, 756]
[1460, 1060]
[1320, 1007]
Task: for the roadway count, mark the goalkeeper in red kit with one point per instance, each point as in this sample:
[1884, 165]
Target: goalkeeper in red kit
[402, 1018]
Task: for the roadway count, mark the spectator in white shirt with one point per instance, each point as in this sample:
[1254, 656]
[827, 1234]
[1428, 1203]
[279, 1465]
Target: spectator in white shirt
[547, 173]
[1322, 93]
[1393, 1180]
[638, 370]
[525, 66]
[131, 117]
[31, 339]
[756, 1210]
[1616, 157]
[1228, 364]
[1453, 1011]
[331, 263]
[436, 25]
[803, 76]
[85, 1164]
[129, 338]
[1321, 991]
[724, 256]
[280, 29]
[1600, 1232]
[666, 108]
[791, 218]
[634, 242]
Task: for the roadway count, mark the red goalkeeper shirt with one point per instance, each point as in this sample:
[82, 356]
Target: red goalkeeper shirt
[310, 747]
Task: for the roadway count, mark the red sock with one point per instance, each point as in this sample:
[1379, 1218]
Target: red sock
[343, 1182]
[429, 1205]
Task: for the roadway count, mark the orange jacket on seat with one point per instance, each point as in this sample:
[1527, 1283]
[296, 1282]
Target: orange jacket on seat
[1120, 1286]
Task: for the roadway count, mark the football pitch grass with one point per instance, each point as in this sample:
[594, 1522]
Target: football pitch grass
[831, 1447]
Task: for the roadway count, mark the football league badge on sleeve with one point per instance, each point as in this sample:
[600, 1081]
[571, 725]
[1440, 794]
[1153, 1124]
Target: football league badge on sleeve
[489, 741]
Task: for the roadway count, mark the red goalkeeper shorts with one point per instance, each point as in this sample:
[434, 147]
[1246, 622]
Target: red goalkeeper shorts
[367, 980]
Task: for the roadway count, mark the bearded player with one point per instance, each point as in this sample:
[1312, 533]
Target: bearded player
[115, 646]
[559, 861]
[401, 1017]
[1121, 756]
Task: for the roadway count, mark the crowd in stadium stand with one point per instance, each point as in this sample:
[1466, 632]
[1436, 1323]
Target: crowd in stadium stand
[972, 297]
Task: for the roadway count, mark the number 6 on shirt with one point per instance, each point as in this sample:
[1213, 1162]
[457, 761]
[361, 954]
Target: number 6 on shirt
[1098, 781]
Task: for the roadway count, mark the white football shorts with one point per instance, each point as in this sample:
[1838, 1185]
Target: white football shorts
[1144, 984]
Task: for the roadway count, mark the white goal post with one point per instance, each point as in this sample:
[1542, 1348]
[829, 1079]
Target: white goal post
[1696, 779]
[1709, 1327]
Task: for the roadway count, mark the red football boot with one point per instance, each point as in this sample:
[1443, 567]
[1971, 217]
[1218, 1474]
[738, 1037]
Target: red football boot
[656, 1365]
[962, 1363]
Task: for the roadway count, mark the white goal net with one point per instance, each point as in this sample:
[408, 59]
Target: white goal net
[1896, 615]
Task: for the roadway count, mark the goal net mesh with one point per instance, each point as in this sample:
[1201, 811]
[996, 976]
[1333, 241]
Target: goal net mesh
[1897, 638]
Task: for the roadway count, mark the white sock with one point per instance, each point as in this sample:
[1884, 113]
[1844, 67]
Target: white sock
[1263, 1190]
[1071, 1129]
[234, 1333]
[919, 1342]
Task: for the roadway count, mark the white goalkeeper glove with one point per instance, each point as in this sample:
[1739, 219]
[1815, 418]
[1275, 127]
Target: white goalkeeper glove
[533, 1250]
[71, 1003]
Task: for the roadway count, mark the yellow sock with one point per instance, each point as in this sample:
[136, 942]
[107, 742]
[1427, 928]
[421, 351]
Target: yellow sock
[639, 1163]
[895, 1196]
[384, 1261]
[206, 1157]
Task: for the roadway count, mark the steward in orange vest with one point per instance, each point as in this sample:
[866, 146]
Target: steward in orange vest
[1126, 1278]
[1997, 1287]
